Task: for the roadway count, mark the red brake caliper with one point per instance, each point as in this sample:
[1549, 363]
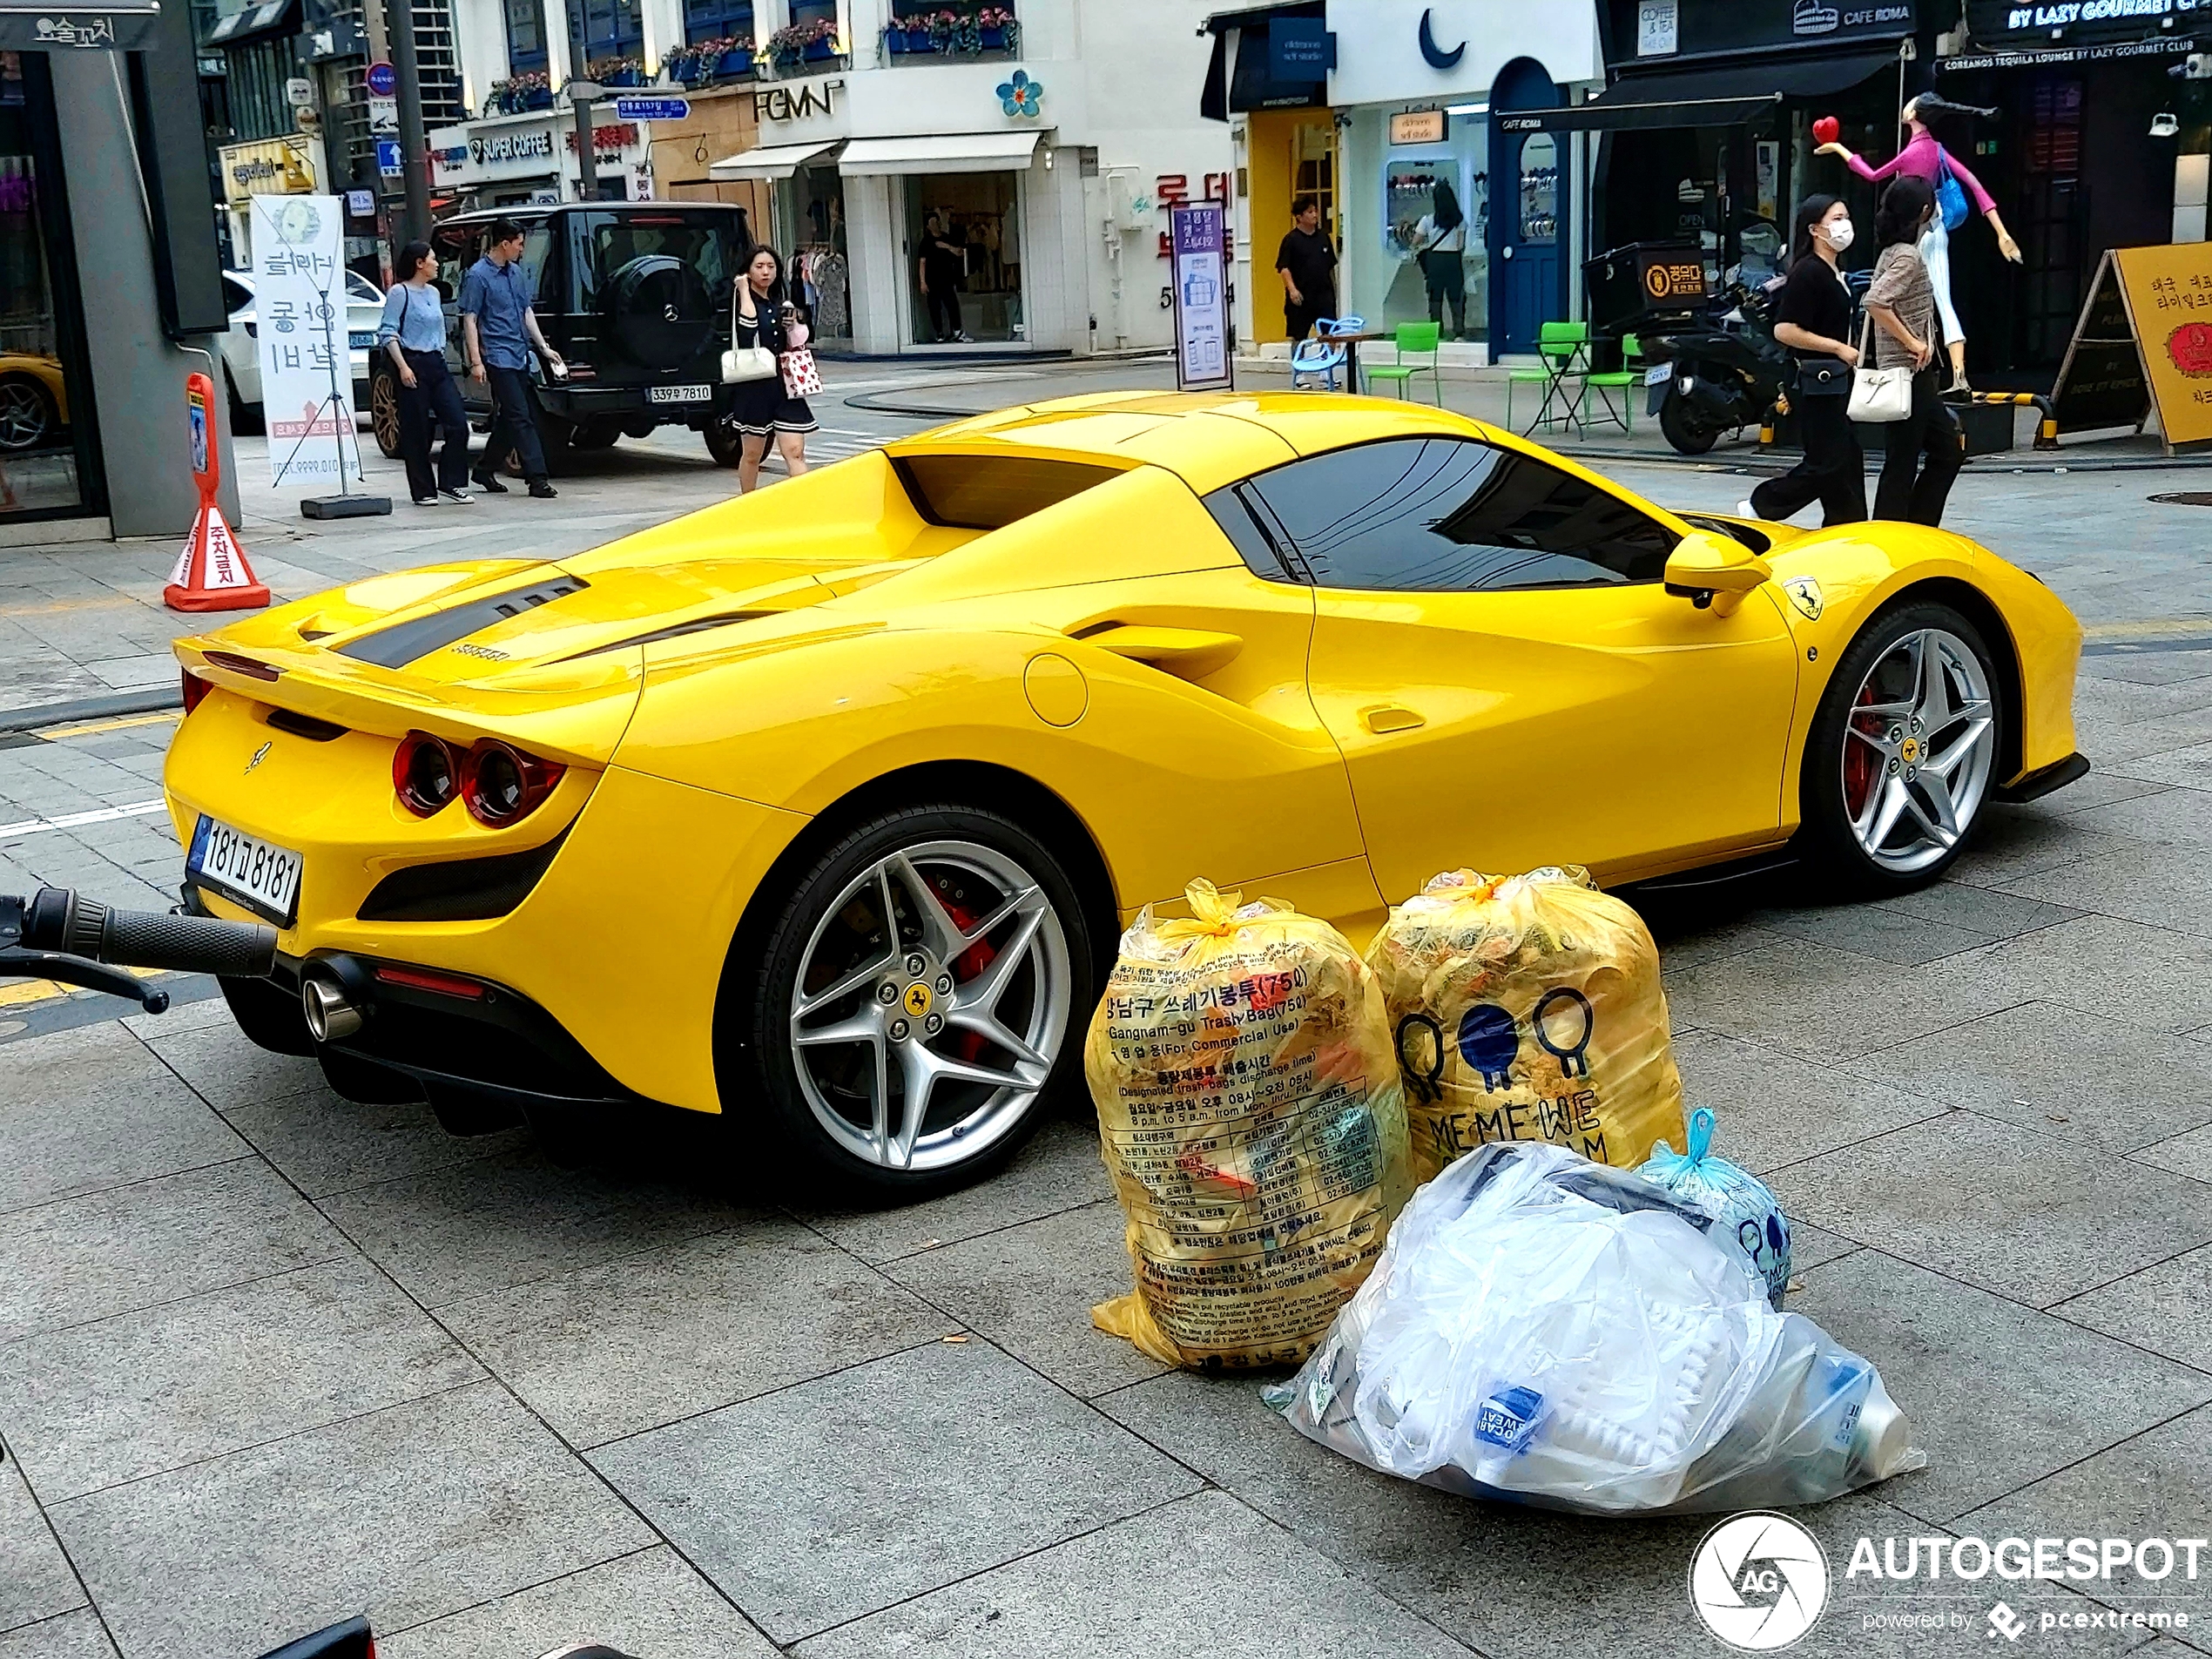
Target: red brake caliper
[1858, 760]
[965, 1045]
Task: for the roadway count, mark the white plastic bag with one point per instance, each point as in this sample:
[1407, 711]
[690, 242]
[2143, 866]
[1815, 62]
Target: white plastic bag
[1550, 1331]
[1733, 1197]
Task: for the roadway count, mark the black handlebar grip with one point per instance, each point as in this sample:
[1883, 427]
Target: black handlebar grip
[191, 944]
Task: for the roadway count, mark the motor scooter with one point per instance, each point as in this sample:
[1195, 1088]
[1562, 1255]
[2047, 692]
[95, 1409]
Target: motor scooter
[1720, 373]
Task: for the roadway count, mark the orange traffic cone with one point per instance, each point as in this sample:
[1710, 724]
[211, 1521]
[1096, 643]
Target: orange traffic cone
[212, 573]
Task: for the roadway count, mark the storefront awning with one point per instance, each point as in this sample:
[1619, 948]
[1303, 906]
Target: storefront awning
[35, 28]
[241, 26]
[950, 152]
[770, 161]
[1705, 98]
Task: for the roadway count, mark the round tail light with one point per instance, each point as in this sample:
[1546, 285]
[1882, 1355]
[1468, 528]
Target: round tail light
[425, 772]
[500, 784]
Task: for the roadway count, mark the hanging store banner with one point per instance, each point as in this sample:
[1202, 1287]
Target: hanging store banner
[299, 329]
[26, 25]
[1199, 247]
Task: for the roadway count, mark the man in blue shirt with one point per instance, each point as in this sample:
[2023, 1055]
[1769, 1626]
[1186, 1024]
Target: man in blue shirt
[499, 328]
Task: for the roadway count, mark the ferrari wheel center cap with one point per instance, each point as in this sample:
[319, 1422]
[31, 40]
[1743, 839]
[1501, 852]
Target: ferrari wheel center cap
[917, 999]
[1909, 750]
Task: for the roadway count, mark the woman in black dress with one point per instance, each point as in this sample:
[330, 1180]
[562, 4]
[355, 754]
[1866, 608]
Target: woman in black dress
[763, 408]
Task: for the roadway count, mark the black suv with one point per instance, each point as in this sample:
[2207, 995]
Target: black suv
[634, 295]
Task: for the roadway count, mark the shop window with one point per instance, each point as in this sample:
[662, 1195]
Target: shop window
[525, 36]
[257, 72]
[716, 20]
[1443, 516]
[44, 411]
[964, 258]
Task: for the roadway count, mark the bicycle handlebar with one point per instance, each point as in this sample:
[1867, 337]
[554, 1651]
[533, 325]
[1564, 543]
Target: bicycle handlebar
[61, 921]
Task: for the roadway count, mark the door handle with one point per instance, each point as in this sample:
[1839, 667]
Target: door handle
[1187, 653]
[1388, 718]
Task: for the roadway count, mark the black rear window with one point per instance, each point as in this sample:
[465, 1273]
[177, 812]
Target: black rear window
[990, 492]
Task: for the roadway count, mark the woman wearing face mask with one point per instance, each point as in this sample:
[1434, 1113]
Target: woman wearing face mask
[1902, 302]
[1813, 320]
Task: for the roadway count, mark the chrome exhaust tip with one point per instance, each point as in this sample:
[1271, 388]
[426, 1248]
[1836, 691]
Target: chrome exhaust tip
[331, 1014]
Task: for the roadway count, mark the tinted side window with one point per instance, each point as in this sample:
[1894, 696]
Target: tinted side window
[1447, 515]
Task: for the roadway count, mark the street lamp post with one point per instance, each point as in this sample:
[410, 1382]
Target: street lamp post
[407, 70]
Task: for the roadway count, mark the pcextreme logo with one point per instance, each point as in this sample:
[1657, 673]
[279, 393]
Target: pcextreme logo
[1759, 1581]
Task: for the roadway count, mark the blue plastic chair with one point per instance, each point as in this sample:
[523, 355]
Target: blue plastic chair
[1317, 355]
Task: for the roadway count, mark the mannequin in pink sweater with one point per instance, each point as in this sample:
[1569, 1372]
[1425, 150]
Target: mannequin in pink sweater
[1923, 158]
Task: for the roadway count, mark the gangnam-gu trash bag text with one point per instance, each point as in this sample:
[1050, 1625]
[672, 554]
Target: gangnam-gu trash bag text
[1250, 1116]
[1548, 1331]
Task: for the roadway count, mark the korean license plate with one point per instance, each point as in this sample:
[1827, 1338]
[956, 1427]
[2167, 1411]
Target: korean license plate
[262, 877]
[682, 395]
[360, 342]
[1658, 373]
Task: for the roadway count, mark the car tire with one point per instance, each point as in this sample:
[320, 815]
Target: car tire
[1682, 430]
[1901, 762]
[724, 444]
[594, 435]
[982, 1000]
[384, 409]
[465, 1112]
[28, 415]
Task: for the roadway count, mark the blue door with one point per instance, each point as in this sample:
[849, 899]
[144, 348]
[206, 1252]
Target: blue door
[1528, 208]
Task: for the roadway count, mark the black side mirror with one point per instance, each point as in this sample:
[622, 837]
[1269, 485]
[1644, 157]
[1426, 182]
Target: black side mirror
[351, 1639]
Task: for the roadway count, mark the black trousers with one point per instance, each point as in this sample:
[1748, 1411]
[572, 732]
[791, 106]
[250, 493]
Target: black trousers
[1927, 443]
[433, 399]
[1448, 285]
[515, 425]
[944, 311]
[1298, 321]
[1834, 472]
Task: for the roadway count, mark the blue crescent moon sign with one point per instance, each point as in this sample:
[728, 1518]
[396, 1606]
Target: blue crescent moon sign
[1438, 57]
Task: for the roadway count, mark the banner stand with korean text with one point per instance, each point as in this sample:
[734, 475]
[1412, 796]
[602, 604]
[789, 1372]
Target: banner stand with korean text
[1200, 252]
[306, 358]
[2143, 344]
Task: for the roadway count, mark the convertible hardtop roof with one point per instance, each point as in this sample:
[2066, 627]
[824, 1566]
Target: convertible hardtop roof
[1208, 439]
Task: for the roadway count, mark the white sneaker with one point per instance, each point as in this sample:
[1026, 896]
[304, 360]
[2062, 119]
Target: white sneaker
[425, 500]
[1744, 509]
[459, 497]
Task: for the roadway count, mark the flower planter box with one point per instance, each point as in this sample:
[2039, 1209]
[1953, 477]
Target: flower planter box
[818, 51]
[993, 40]
[537, 99]
[625, 77]
[689, 72]
[912, 40]
[733, 65]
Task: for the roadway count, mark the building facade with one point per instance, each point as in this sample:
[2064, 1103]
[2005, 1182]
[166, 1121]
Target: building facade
[110, 281]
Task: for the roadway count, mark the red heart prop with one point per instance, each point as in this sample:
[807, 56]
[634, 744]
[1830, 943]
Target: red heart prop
[1827, 130]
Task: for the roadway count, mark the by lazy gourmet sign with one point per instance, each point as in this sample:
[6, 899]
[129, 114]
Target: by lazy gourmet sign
[1997, 23]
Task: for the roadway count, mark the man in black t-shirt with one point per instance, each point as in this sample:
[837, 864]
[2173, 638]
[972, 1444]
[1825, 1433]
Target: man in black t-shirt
[1307, 265]
[942, 263]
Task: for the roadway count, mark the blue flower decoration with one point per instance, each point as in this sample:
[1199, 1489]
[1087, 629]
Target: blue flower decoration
[1022, 95]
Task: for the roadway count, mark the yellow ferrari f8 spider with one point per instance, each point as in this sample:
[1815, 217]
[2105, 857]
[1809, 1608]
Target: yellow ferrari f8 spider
[823, 807]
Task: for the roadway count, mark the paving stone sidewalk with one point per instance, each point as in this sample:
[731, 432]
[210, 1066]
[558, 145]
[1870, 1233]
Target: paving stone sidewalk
[267, 1358]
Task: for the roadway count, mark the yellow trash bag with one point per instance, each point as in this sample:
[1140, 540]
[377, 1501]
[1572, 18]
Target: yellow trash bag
[1528, 1008]
[1250, 1116]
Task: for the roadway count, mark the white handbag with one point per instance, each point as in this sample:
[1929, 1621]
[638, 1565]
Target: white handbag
[754, 362]
[1880, 396]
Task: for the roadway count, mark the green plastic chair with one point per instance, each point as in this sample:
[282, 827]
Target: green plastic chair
[1623, 380]
[1563, 348]
[1414, 339]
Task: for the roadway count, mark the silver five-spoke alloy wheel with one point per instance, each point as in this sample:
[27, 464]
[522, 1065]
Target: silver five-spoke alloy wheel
[1919, 744]
[931, 1001]
[23, 416]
